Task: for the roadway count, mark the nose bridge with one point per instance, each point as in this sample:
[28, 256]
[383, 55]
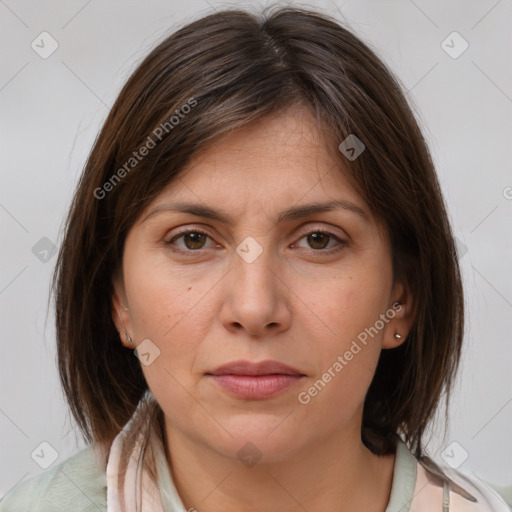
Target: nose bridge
[252, 264]
[254, 299]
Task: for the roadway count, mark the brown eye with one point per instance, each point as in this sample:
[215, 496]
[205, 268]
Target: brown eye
[319, 240]
[193, 240]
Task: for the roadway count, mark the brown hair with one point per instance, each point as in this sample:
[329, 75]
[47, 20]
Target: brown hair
[231, 68]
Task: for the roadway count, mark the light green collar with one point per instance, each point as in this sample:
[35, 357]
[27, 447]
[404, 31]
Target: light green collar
[402, 488]
[404, 480]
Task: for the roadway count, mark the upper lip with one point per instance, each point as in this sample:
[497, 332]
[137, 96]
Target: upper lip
[267, 367]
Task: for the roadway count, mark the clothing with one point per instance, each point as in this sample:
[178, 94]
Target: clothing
[88, 482]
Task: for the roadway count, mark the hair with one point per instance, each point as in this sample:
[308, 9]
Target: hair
[207, 79]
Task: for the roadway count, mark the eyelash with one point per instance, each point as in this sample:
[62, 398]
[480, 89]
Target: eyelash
[341, 243]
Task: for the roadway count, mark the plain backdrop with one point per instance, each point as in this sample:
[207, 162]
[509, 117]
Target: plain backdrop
[52, 109]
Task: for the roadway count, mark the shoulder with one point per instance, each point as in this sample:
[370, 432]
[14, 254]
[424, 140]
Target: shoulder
[78, 484]
[465, 493]
[487, 497]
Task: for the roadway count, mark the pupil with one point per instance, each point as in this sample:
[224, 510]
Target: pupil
[192, 236]
[316, 236]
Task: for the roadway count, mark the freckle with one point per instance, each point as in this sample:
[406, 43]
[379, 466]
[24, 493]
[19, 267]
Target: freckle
[189, 288]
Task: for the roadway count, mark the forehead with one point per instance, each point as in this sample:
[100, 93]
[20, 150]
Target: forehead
[277, 170]
[281, 156]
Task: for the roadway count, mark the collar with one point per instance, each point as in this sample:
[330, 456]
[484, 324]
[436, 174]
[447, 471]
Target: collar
[402, 488]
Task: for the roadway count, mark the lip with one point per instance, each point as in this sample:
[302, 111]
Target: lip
[252, 387]
[255, 381]
[247, 368]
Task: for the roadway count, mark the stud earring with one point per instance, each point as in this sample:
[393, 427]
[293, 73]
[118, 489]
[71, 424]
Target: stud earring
[398, 336]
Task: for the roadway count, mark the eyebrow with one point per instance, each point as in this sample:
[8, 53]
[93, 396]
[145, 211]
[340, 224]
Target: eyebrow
[292, 213]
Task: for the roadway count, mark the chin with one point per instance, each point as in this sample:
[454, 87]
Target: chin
[257, 438]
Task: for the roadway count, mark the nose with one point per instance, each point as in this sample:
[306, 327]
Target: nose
[256, 299]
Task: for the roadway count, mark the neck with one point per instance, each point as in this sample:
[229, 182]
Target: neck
[337, 473]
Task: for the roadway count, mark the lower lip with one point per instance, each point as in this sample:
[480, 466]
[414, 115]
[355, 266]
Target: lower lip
[252, 387]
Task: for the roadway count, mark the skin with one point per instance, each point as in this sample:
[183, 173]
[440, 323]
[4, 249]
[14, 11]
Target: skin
[300, 302]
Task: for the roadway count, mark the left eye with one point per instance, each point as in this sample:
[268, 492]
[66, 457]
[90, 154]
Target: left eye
[320, 239]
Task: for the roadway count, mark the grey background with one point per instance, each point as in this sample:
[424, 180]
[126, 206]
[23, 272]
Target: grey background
[52, 109]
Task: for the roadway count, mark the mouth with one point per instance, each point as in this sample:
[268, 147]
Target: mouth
[267, 367]
[255, 381]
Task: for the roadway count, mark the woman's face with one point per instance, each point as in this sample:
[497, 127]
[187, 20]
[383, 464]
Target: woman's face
[272, 281]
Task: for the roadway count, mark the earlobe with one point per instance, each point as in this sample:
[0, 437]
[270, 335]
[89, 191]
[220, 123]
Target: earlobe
[394, 337]
[126, 335]
[123, 331]
[400, 325]
[396, 330]
[118, 309]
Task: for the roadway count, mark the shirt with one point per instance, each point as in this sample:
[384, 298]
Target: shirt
[79, 485]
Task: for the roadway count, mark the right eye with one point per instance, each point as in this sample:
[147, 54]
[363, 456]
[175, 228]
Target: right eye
[193, 240]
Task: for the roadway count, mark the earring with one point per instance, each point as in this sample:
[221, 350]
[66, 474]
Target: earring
[128, 339]
[398, 336]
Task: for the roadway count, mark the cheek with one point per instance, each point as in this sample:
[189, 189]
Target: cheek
[348, 308]
[165, 301]
[334, 398]
[349, 304]
[353, 294]
[175, 314]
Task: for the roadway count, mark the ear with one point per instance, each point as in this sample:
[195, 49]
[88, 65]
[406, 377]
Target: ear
[120, 312]
[401, 312]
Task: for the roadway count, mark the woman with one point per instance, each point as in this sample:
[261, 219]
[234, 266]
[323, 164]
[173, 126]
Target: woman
[260, 223]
